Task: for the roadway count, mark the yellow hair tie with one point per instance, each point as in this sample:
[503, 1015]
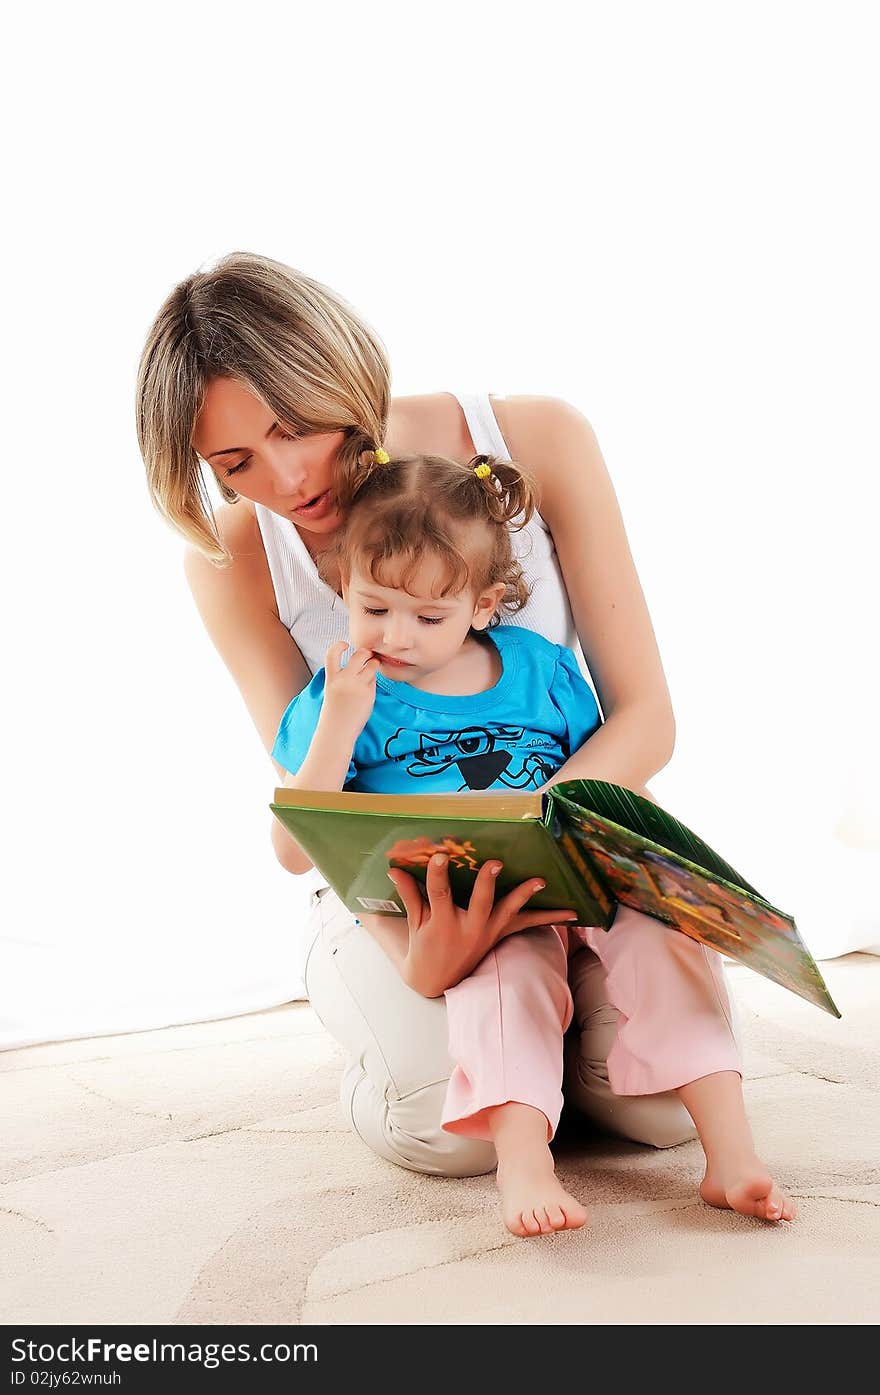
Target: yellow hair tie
[381, 456]
[481, 471]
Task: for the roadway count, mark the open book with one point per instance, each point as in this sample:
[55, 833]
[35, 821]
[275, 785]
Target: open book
[595, 844]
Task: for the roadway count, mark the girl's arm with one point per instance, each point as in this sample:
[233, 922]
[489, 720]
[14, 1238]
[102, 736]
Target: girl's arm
[324, 768]
[579, 505]
[348, 697]
[346, 703]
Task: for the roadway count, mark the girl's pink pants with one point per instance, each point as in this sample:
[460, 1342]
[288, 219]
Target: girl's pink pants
[508, 1018]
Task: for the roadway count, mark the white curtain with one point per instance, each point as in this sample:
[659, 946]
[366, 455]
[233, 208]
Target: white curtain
[668, 223]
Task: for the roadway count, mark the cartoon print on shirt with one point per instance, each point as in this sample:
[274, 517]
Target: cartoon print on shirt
[478, 752]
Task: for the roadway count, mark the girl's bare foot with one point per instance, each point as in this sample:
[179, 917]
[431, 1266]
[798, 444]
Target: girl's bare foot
[735, 1176]
[747, 1187]
[533, 1200]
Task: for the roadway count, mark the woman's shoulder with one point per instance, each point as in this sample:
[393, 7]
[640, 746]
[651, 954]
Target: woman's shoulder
[530, 423]
[430, 423]
[238, 528]
[248, 571]
[434, 423]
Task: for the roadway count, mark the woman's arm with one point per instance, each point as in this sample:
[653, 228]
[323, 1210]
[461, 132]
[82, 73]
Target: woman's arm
[237, 607]
[579, 505]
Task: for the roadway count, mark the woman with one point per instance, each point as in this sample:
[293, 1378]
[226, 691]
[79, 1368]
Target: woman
[276, 384]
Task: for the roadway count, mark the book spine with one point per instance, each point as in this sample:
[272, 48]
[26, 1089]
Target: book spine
[590, 899]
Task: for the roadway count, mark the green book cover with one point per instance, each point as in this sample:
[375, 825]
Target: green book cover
[595, 845]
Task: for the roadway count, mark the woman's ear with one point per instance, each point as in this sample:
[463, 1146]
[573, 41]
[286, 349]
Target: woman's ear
[486, 605]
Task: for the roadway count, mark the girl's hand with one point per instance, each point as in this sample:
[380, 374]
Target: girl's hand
[445, 942]
[349, 693]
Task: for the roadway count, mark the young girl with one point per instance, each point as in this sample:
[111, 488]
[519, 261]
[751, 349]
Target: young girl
[438, 696]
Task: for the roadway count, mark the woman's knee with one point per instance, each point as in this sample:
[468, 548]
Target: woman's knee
[408, 1131]
[659, 1120]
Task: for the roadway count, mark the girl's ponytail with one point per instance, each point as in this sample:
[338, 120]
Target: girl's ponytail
[510, 493]
[356, 462]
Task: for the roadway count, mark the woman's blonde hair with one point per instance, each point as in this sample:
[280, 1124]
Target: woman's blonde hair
[298, 346]
[396, 511]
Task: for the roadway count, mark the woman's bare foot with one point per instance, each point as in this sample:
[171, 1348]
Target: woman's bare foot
[533, 1200]
[747, 1187]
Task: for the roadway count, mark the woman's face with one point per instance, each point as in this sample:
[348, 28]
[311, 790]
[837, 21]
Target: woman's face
[248, 448]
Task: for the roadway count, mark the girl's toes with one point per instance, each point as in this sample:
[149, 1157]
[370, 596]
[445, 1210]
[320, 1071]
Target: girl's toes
[556, 1217]
[576, 1216]
[531, 1223]
[774, 1205]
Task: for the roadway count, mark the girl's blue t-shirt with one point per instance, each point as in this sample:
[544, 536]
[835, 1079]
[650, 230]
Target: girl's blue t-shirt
[514, 735]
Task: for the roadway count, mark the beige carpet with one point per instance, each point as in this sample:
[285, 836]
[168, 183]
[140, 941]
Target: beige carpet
[204, 1174]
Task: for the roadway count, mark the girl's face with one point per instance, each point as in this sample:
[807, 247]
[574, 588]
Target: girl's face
[250, 451]
[414, 633]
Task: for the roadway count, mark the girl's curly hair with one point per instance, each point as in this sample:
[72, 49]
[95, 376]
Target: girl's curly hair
[394, 511]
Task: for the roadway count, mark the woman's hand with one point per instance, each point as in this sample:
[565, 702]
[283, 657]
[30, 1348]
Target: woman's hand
[445, 942]
[350, 692]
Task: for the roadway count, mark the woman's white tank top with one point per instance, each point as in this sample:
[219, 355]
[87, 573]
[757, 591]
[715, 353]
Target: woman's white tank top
[316, 617]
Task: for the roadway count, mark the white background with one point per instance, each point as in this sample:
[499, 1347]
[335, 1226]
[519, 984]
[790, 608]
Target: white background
[664, 214]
